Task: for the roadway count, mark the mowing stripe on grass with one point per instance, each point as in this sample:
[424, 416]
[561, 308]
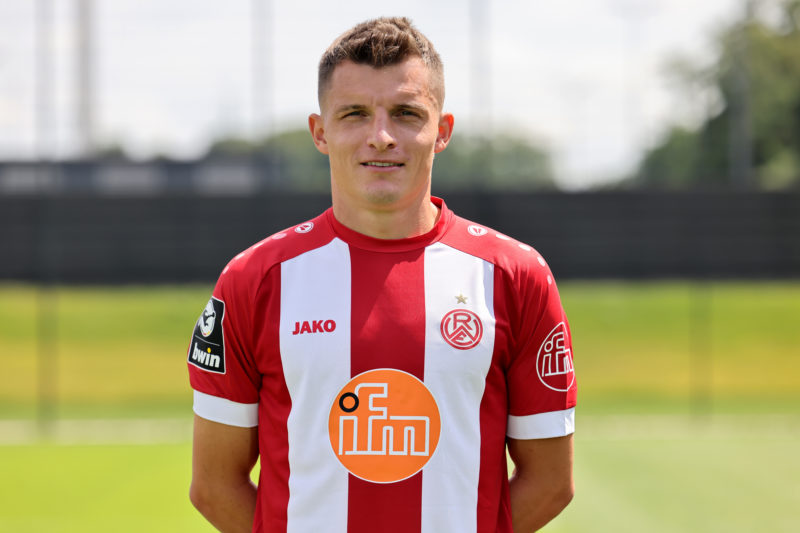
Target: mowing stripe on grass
[589, 427]
[96, 431]
[676, 427]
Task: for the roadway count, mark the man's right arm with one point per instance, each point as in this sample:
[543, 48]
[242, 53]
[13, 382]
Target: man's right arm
[222, 458]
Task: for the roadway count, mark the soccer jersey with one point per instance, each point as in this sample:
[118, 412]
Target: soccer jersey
[385, 375]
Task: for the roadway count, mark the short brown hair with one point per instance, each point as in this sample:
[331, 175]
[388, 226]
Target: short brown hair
[382, 42]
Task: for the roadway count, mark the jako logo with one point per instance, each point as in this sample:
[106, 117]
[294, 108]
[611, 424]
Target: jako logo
[315, 326]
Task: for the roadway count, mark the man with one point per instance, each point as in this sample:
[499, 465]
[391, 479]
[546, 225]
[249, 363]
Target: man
[382, 357]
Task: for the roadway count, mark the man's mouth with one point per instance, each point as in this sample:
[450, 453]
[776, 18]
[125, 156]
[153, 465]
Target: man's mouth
[381, 164]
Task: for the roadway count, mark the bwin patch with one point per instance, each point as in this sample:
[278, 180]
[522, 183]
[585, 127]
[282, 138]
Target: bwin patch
[207, 350]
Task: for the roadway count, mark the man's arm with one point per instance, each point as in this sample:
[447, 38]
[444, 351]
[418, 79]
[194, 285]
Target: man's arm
[222, 458]
[541, 486]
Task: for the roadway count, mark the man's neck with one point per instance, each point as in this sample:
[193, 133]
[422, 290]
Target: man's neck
[389, 223]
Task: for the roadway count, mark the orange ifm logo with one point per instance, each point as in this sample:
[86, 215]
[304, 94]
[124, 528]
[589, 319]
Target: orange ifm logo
[384, 425]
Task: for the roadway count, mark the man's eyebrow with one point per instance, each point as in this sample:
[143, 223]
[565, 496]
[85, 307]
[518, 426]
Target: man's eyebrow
[412, 107]
[350, 107]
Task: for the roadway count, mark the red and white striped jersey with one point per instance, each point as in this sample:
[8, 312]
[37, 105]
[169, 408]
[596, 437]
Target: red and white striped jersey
[385, 375]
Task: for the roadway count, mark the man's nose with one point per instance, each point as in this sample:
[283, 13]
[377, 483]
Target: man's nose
[380, 136]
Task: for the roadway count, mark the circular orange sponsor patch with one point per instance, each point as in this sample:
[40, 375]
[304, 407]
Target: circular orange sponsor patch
[384, 425]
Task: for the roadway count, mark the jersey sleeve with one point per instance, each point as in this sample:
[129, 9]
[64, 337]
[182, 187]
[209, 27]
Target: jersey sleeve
[541, 375]
[220, 359]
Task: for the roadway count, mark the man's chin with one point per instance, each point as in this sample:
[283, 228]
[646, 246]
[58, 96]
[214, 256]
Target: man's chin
[382, 198]
[382, 194]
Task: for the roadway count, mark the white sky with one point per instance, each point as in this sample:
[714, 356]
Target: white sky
[585, 78]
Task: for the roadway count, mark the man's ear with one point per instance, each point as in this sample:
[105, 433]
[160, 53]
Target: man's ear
[317, 129]
[445, 132]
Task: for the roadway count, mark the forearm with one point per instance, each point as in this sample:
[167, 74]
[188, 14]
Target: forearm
[222, 458]
[534, 503]
[229, 507]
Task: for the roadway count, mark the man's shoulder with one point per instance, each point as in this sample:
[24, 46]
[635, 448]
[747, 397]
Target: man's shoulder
[279, 247]
[491, 245]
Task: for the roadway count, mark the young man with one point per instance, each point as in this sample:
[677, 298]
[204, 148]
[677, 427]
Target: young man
[382, 357]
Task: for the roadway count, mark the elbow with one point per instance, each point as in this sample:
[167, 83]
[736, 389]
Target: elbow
[558, 498]
[199, 495]
[564, 496]
[538, 508]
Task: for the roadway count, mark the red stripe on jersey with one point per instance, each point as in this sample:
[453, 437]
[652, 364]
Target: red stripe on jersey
[273, 485]
[388, 331]
[494, 512]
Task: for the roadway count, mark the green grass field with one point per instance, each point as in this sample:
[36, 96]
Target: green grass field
[688, 421]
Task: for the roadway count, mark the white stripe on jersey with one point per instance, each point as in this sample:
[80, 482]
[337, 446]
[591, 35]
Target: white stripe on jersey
[542, 425]
[224, 411]
[315, 286]
[457, 379]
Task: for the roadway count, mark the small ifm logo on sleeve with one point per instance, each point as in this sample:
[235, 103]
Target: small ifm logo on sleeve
[207, 350]
[554, 360]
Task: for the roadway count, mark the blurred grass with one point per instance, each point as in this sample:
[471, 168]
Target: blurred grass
[647, 355]
[715, 477]
[114, 351]
[686, 346]
[88, 488]
[639, 347]
[672, 475]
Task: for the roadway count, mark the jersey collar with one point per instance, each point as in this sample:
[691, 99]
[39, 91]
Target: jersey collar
[366, 242]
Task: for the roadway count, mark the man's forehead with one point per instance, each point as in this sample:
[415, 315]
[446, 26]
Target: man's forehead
[353, 83]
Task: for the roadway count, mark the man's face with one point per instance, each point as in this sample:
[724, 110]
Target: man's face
[380, 129]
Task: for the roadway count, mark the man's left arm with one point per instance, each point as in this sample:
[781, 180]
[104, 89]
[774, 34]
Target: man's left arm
[542, 484]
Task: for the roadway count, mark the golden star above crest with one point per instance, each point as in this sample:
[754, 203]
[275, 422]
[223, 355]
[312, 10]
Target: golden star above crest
[461, 298]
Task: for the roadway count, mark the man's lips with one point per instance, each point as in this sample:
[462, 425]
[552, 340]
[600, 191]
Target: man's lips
[381, 164]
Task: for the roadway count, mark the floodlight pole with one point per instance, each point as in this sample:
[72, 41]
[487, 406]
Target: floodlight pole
[480, 87]
[262, 87]
[740, 134]
[84, 11]
[46, 301]
[262, 79]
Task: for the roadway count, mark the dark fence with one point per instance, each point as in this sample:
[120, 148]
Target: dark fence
[173, 238]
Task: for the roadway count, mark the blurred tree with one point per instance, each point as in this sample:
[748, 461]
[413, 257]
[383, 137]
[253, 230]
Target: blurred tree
[289, 155]
[751, 140]
[513, 162]
[504, 162]
[111, 150]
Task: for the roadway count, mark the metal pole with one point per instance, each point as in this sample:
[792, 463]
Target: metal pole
[84, 11]
[740, 133]
[46, 301]
[480, 88]
[262, 120]
[43, 75]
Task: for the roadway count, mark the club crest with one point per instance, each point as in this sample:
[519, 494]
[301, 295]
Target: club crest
[461, 329]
